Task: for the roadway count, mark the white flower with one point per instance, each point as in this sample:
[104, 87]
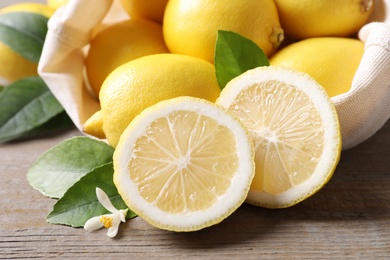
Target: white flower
[110, 221]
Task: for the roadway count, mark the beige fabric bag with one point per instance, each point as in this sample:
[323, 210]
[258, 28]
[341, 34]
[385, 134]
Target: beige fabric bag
[362, 111]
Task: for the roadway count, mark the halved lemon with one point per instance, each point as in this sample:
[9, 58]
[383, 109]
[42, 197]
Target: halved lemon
[184, 164]
[295, 130]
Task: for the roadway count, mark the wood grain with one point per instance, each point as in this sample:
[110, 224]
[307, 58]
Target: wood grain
[348, 219]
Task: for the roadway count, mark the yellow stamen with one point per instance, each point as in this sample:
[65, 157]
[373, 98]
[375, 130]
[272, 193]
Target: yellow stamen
[107, 221]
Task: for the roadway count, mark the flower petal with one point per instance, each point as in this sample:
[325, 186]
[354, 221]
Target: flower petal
[122, 214]
[105, 200]
[113, 231]
[93, 224]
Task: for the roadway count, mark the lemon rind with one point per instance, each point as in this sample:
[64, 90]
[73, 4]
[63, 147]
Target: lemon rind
[188, 221]
[332, 144]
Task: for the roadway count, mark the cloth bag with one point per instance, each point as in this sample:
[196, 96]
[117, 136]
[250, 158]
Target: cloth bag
[362, 111]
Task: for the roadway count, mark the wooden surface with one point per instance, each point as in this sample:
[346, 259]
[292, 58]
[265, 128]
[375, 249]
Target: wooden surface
[348, 218]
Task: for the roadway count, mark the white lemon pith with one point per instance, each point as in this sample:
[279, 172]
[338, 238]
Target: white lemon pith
[295, 130]
[184, 164]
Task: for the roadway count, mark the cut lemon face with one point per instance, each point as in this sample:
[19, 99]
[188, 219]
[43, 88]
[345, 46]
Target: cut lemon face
[295, 130]
[184, 164]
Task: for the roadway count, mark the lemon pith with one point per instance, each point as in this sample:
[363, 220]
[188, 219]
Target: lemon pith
[184, 164]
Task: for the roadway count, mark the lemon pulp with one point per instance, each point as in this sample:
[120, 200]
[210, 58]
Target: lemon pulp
[287, 131]
[295, 129]
[188, 157]
[184, 164]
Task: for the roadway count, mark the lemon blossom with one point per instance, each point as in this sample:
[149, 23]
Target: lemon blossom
[110, 221]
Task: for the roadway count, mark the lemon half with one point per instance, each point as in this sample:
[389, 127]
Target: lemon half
[295, 129]
[184, 164]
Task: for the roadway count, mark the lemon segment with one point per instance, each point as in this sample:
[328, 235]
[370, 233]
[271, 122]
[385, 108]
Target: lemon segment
[295, 130]
[184, 164]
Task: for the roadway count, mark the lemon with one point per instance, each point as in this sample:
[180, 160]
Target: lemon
[151, 10]
[190, 27]
[55, 4]
[184, 164]
[94, 125]
[29, 7]
[307, 18]
[295, 129]
[14, 66]
[332, 61]
[145, 81]
[120, 43]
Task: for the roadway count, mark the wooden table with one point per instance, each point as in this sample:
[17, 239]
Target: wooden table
[348, 218]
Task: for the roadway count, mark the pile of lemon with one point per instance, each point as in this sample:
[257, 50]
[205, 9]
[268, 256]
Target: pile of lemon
[188, 154]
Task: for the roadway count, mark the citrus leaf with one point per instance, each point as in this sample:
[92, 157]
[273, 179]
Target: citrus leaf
[80, 203]
[24, 33]
[63, 165]
[235, 54]
[25, 105]
[59, 122]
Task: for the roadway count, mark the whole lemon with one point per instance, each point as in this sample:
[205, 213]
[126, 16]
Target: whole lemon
[306, 18]
[332, 61]
[145, 81]
[13, 65]
[190, 27]
[120, 43]
[151, 10]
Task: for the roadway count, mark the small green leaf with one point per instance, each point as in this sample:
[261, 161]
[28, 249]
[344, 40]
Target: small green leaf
[24, 33]
[63, 165]
[24, 106]
[235, 54]
[80, 203]
[1, 88]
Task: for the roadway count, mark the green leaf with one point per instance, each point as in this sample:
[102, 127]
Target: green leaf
[80, 203]
[63, 165]
[24, 33]
[26, 105]
[235, 54]
[60, 122]
[1, 88]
